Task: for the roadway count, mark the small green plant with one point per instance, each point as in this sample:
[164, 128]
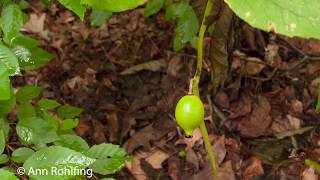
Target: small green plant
[48, 142]
[312, 164]
[48, 148]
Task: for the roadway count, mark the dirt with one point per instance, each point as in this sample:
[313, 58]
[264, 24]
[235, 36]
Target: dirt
[128, 79]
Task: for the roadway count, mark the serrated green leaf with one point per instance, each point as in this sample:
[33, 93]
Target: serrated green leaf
[4, 158]
[113, 5]
[69, 111]
[20, 155]
[2, 141]
[7, 105]
[73, 142]
[9, 60]
[5, 85]
[35, 130]
[287, 17]
[7, 175]
[153, 7]
[105, 150]
[99, 17]
[56, 157]
[48, 103]
[26, 110]
[27, 93]
[108, 165]
[187, 27]
[75, 6]
[69, 124]
[11, 21]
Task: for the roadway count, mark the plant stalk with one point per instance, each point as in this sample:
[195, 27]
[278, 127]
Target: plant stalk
[195, 88]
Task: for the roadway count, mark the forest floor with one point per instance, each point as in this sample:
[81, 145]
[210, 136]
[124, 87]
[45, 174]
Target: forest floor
[127, 78]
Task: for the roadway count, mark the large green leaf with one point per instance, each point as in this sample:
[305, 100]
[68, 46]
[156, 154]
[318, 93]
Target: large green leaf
[36, 130]
[75, 6]
[20, 155]
[99, 17]
[27, 93]
[7, 105]
[7, 175]
[5, 87]
[56, 157]
[153, 7]
[73, 142]
[113, 5]
[105, 151]
[110, 158]
[29, 54]
[69, 111]
[11, 21]
[187, 27]
[287, 17]
[48, 103]
[9, 60]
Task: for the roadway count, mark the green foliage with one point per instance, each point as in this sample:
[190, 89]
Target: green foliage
[20, 155]
[312, 164]
[8, 60]
[153, 7]
[75, 6]
[187, 27]
[69, 111]
[11, 21]
[57, 157]
[28, 93]
[7, 175]
[5, 85]
[48, 103]
[4, 158]
[110, 158]
[99, 17]
[113, 5]
[287, 17]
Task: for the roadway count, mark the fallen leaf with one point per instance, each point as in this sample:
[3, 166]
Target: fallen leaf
[154, 66]
[254, 66]
[134, 166]
[257, 123]
[157, 158]
[219, 148]
[36, 25]
[309, 174]
[252, 168]
[190, 142]
[113, 126]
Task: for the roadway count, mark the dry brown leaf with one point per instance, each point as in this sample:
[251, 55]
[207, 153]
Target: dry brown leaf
[157, 158]
[174, 66]
[155, 65]
[36, 25]
[258, 121]
[134, 166]
[252, 168]
[113, 126]
[309, 174]
[254, 66]
[190, 142]
[219, 148]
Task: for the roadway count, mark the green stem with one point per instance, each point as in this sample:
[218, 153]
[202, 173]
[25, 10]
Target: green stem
[195, 88]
